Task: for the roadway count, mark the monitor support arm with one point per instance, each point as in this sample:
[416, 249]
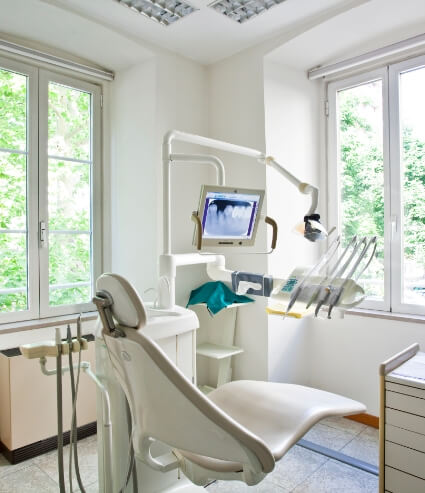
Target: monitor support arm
[168, 158]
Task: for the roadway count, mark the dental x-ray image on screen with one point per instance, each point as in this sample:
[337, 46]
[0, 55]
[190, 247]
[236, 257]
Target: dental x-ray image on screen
[229, 214]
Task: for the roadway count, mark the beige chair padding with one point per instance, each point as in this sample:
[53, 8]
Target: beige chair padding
[241, 425]
[280, 414]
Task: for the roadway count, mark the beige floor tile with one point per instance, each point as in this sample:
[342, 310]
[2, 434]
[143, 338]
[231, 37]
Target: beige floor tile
[372, 433]
[93, 488]
[296, 466]
[7, 468]
[364, 447]
[329, 437]
[30, 479]
[344, 424]
[334, 477]
[87, 453]
[265, 486]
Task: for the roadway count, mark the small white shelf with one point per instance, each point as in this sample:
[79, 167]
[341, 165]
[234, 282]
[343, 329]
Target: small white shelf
[206, 389]
[215, 351]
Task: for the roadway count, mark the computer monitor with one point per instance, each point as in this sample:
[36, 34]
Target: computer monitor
[229, 216]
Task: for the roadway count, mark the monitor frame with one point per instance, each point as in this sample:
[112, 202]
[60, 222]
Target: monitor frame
[229, 242]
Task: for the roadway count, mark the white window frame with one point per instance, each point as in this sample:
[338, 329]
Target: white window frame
[393, 276]
[37, 207]
[396, 199]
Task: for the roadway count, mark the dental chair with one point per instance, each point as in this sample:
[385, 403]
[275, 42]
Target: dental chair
[238, 432]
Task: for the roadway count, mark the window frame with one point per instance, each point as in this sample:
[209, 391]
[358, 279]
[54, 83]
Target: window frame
[389, 75]
[395, 70]
[37, 165]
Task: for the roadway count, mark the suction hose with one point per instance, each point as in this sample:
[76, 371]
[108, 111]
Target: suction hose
[73, 450]
[60, 417]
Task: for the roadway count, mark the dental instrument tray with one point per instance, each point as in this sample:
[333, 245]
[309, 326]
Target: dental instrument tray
[228, 216]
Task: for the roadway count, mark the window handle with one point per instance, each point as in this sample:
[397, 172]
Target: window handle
[43, 234]
[393, 226]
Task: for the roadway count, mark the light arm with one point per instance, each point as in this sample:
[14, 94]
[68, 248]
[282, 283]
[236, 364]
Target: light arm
[304, 188]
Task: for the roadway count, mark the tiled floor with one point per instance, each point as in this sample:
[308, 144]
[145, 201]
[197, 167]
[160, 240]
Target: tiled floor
[303, 471]
[300, 471]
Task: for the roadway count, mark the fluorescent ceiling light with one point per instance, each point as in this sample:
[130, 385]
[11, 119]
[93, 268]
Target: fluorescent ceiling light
[164, 12]
[243, 10]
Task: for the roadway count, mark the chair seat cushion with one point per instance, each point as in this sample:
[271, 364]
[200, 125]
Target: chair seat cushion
[278, 413]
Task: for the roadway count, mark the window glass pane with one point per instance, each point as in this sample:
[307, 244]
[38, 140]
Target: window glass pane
[13, 272]
[361, 171]
[70, 273]
[69, 196]
[13, 110]
[412, 127]
[13, 193]
[69, 122]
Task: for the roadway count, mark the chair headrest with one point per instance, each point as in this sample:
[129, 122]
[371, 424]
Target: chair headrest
[127, 307]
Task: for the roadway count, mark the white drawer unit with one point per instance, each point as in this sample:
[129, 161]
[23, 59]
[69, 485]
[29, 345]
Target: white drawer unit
[402, 423]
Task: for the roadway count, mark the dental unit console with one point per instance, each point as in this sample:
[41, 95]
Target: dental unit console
[153, 421]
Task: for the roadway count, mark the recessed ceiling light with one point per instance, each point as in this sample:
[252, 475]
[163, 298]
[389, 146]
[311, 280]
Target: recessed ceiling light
[164, 12]
[243, 10]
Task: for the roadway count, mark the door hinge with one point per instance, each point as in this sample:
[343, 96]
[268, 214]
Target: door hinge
[43, 234]
[326, 108]
[101, 100]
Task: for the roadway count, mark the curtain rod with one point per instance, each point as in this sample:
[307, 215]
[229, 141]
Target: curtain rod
[54, 60]
[401, 46]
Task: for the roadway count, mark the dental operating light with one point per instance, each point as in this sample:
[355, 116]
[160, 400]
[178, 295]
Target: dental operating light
[243, 10]
[164, 12]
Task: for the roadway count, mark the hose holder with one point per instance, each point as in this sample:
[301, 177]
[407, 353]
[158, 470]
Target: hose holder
[103, 301]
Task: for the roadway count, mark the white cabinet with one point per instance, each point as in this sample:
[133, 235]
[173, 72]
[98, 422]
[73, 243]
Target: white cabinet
[402, 423]
[28, 405]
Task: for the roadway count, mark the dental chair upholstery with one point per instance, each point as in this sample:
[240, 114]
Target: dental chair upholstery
[238, 432]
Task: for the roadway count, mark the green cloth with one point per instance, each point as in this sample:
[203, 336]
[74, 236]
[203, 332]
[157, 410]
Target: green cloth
[216, 296]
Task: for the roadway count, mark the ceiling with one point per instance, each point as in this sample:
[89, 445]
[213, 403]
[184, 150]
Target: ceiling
[369, 26]
[113, 35]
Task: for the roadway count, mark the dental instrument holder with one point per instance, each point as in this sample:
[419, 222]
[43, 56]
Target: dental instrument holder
[268, 220]
[56, 349]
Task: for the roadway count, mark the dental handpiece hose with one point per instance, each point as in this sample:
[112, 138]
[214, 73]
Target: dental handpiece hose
[59, 410]
[74, 389]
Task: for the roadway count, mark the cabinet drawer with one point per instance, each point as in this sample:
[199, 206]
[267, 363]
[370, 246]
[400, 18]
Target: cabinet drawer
[400, 482]
[405, 459]
[405, 389]
[405, 420]
[405, 403]
[404, 437]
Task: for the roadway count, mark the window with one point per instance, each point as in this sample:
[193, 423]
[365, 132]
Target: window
[376, 153]
[49, 152]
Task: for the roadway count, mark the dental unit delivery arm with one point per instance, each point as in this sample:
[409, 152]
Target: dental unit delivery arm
[215, 263]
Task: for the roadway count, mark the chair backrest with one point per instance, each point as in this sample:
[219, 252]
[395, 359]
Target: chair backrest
[164, 404]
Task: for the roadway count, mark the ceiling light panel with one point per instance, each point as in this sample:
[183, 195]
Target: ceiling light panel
[243, 10]
[164, 12]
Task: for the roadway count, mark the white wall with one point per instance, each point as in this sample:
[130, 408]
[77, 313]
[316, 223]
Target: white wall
[345, 354]
[133, 174]
[149, 99]
[292, 137]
